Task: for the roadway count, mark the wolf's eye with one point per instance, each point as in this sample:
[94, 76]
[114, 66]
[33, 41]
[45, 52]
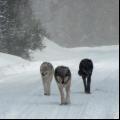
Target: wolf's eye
[44, 73]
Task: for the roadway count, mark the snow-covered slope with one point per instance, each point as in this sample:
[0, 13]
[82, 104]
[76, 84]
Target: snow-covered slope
[54, 52]
[10, 64]
[51, 52]
[21, 90]
[6, 59]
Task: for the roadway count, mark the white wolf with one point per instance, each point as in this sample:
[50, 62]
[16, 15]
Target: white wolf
[63, 79]
[47, 72]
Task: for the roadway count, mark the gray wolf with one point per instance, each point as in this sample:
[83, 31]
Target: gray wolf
[63, 79]
[47, 73]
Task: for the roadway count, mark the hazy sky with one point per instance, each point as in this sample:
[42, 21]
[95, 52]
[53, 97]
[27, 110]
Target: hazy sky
[72, 23]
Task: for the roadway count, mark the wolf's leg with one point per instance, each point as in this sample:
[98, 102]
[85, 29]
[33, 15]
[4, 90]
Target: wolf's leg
[68, 93]
[49, 87]
[45, 84]
[88, 83]
[61, 94]
[49, 84]
[85, 84]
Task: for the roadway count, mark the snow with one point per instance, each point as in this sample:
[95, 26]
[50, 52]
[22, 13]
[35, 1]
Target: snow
[6, 59]
[10, 64]
[21, 90]
[1, 16]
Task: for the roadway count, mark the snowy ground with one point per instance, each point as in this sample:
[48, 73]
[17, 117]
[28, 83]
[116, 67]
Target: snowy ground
[21, 90]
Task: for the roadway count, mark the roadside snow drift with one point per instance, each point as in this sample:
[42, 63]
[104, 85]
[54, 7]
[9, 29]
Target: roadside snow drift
[21, 90]
[6, 59]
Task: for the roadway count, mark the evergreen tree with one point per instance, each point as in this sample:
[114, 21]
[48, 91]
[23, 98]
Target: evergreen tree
[19, 30]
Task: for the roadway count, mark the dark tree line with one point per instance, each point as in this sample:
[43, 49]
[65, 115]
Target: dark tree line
[19, 30]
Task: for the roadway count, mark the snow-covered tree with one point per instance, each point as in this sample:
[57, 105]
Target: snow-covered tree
[3, 25]
[19, 31]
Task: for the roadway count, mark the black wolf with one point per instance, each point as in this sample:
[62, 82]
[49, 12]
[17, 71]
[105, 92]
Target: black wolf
[85, 71]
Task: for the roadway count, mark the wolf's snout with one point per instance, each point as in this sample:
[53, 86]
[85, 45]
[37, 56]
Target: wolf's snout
[62, 81]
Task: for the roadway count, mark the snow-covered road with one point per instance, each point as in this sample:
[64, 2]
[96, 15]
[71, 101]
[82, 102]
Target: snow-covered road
[21, 96]
[21, 90]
